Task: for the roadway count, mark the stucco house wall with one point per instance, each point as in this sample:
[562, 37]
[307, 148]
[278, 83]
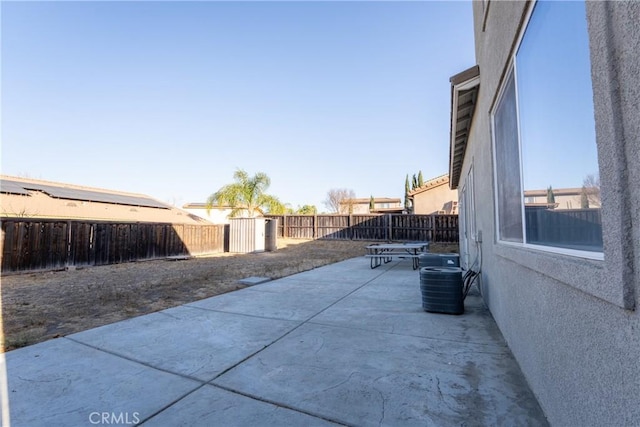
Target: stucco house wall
[569, 198]
[572, 323]
[361, 206]
[358, 208]
[434, 197]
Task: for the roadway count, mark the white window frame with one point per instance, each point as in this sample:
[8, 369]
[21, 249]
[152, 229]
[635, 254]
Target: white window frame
[512, 70]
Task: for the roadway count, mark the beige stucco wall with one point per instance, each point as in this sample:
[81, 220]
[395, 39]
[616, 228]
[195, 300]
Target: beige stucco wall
[362, 207]
[434, 199]
[571, 323]
[564, 202]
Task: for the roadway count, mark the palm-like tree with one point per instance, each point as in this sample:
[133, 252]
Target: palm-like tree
[246, 194]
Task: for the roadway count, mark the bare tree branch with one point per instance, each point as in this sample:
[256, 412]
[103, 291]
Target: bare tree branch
[338, 200]
[591, 186]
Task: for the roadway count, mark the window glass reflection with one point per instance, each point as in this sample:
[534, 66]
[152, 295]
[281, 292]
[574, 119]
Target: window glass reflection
[557, 129]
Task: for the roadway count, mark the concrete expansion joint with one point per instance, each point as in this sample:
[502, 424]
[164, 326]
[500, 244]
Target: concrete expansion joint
[170, 404]
[212, 382]
[281, 405]
[213, 310]
[350, 293]
[308, 320]
[130, 359]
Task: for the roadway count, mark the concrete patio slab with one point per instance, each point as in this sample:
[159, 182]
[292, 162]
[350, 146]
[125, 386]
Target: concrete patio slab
[405, 317]
[336, 288]
[189, 341]
[280, 305]
[406, 288]
[339, 344]
[63, 383]
[367, 378]
[343, 272]
[212, 406]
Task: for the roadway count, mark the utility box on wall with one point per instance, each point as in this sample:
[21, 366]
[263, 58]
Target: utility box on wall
[246, 235]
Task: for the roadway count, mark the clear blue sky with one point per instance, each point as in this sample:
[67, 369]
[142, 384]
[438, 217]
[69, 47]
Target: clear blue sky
[170, 98]
[555, 98]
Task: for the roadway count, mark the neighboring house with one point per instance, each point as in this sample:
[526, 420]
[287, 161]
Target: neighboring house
[216, 215]
[435, 197]
[30, 198]
[362, 206]
[563, 288]
[564, 198]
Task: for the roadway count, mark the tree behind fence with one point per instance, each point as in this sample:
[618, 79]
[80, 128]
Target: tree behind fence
[31, 245]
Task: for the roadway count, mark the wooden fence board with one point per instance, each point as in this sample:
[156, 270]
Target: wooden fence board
[572, 228]
[336, 227]
[36, 244]
[33, 245]
[300, 227]
[80, 246]
[369, 227]
[400, 227]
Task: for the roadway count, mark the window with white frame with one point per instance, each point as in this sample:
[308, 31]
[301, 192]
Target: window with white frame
[544, 137]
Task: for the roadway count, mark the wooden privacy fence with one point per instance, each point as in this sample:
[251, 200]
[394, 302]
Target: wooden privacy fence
[573, 228]
[389, 227]
[49, 244]
[35, 244]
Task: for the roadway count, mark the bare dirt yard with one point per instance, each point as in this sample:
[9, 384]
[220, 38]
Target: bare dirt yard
[45, 305]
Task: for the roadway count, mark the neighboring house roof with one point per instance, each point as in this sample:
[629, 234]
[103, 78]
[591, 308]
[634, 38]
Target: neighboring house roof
[556, 192]
[24, 186]
[375, 200]
[464, 94]
[31, 198]
[432, 183]
[398, 209]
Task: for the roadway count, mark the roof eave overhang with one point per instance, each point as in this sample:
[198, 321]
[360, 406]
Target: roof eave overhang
[464, 95]
[427, 187]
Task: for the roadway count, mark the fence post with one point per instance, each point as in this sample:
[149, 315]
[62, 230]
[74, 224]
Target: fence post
[389, 230]
[434, 228]
[314, 219]
[69, 259]
[284, 226]
[2, 235]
